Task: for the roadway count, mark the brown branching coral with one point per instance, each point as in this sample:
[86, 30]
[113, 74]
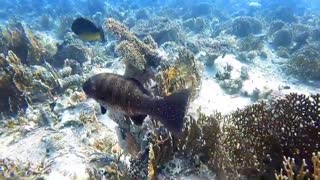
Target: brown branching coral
[152, 166]
[137, 55]
[286, 127]
[316, 165]
[291, 171]
[131, 56]
[252, 142]
[182, 75]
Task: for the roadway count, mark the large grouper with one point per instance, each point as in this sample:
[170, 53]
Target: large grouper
[128, 96]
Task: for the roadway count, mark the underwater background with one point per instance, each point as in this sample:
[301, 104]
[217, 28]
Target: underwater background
[252, 69]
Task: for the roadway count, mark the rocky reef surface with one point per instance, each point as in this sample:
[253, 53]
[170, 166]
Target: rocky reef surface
[254, 73]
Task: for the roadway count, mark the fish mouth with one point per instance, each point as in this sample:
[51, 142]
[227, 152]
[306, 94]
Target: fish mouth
[87, 87]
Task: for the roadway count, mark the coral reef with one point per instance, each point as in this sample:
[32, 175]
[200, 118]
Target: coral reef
[230, 73]
[22, 85]
[282, 37]
[316, 34]
[183, 74]
[24, 43]
[132, 57]
[275, 26]
[123, 33]
[249, 142]
[244, 26]
[195, 24]
[305, 63]
[251, 43]
[161, 29]
[256, 136]
[137, 55]
[291, 170]
[13, 82]
[69, 50]
[50, 130]
[198, 10]
[212, 47]
[11, 169]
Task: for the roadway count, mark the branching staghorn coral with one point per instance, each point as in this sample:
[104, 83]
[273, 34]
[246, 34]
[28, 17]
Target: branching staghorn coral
[152, 166]
[285, 127]
[252, 142]
[290, 169]
[137, 54]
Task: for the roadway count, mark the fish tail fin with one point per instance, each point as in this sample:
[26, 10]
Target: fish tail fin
[102, 37]
[170, 110]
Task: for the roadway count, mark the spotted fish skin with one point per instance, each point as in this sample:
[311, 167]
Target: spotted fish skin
[128, 96]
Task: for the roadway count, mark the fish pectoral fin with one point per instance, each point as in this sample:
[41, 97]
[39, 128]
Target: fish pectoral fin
[103, 110]
[138, 119]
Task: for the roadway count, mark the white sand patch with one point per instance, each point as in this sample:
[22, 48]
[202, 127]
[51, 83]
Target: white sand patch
[213, 98]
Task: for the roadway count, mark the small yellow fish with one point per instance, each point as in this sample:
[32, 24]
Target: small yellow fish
[87, 30]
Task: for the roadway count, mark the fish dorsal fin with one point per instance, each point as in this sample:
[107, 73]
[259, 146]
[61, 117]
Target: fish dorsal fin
[102, 34]
[103, 110]
[140, 86]
[138, 119]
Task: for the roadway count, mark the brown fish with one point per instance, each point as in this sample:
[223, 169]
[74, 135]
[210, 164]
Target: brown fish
[128, 96]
